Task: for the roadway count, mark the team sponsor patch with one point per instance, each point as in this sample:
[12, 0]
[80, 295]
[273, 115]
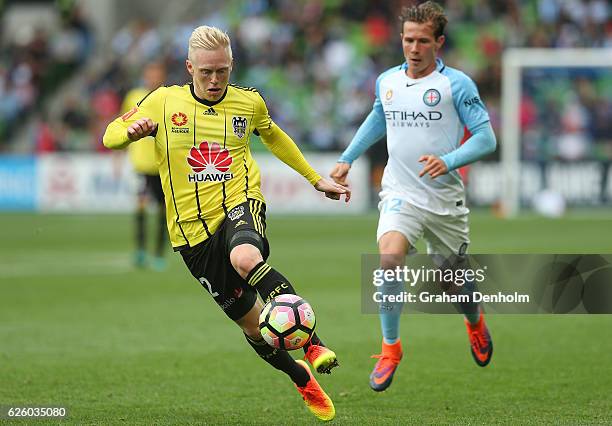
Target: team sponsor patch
[179, 119]
[210, 163]
[239, 124]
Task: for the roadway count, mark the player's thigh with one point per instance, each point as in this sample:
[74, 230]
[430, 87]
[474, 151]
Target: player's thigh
[447, 235]
[209, 264]
[246, 224]
[400, 226]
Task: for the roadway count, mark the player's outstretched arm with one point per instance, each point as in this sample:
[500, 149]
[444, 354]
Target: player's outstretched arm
[141, 128]
[283, 147]
[119, 134]
[340, 173]
[370, 132]
[137, 123]
[333, 190]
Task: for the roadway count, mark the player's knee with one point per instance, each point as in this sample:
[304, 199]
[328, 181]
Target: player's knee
[393, 247]
[244, 258]
[391, 260]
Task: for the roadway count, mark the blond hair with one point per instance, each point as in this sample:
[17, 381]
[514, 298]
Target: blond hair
[208, 38]
[427, 12]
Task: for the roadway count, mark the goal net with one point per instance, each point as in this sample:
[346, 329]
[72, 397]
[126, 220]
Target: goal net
[556, 140]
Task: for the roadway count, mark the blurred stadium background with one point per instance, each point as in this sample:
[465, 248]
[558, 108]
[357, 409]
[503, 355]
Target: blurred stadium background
[80, 327]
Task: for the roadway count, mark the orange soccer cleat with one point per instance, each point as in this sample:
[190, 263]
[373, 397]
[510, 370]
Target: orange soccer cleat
[321, 358]
[315, 398]
[480, 341]
[388, 360]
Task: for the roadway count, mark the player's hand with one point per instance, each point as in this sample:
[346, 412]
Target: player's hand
[140, 129]
[340, 173]
[433, 165]
[333, 190]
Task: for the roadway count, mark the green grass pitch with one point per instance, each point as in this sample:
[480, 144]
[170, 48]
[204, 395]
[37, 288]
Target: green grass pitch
[80, 328]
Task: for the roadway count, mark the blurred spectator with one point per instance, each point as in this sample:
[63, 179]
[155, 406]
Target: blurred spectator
[315, 60]
[34, 63]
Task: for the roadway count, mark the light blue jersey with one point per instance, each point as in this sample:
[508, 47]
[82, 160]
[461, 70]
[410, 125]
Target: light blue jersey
[421, 117]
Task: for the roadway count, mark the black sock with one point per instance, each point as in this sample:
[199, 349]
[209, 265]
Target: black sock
[270, 283]
[280, 360]
[141, 223]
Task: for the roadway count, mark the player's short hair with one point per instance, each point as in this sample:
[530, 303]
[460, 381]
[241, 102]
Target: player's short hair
[208, 38]
[426, 12]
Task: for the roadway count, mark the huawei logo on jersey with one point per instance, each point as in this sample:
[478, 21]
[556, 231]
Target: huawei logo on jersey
[210, 163]
[179, 119]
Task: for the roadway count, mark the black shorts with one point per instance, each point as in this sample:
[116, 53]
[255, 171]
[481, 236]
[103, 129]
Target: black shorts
[150, 185]
[209, 261]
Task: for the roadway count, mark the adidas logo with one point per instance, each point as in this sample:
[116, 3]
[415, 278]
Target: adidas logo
[210, 111]
[210, 163]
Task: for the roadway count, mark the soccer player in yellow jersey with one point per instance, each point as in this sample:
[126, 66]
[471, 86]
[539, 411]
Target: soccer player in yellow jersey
[142, 157]
[214, 206]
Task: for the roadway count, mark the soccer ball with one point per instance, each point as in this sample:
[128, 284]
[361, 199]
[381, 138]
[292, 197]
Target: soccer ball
[287, 322]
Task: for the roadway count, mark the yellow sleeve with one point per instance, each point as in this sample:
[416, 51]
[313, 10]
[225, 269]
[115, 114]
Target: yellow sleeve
[116, 136]
[281, 145]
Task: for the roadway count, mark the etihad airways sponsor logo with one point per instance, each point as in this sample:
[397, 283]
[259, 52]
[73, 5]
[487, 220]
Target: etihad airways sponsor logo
[412, 118]
[210, 163]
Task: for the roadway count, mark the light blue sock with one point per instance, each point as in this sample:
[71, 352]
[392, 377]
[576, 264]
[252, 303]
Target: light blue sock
[390, 312]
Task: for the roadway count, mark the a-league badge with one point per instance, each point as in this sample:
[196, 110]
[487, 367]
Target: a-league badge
[236, 213]
[239, 124]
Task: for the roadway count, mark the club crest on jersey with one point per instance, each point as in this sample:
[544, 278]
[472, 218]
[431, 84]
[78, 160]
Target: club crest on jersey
[389, 94]
[239, 124]
[432, 97]
[210, 163]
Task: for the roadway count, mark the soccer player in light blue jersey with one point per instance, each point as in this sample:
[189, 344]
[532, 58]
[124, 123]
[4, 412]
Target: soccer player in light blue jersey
[423, 107]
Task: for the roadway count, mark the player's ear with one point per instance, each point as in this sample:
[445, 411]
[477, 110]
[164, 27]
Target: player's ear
[189, 67]
[440, 41]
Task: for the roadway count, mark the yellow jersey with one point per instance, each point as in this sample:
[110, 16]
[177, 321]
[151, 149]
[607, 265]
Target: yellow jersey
[142, 154]
[202, 147]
